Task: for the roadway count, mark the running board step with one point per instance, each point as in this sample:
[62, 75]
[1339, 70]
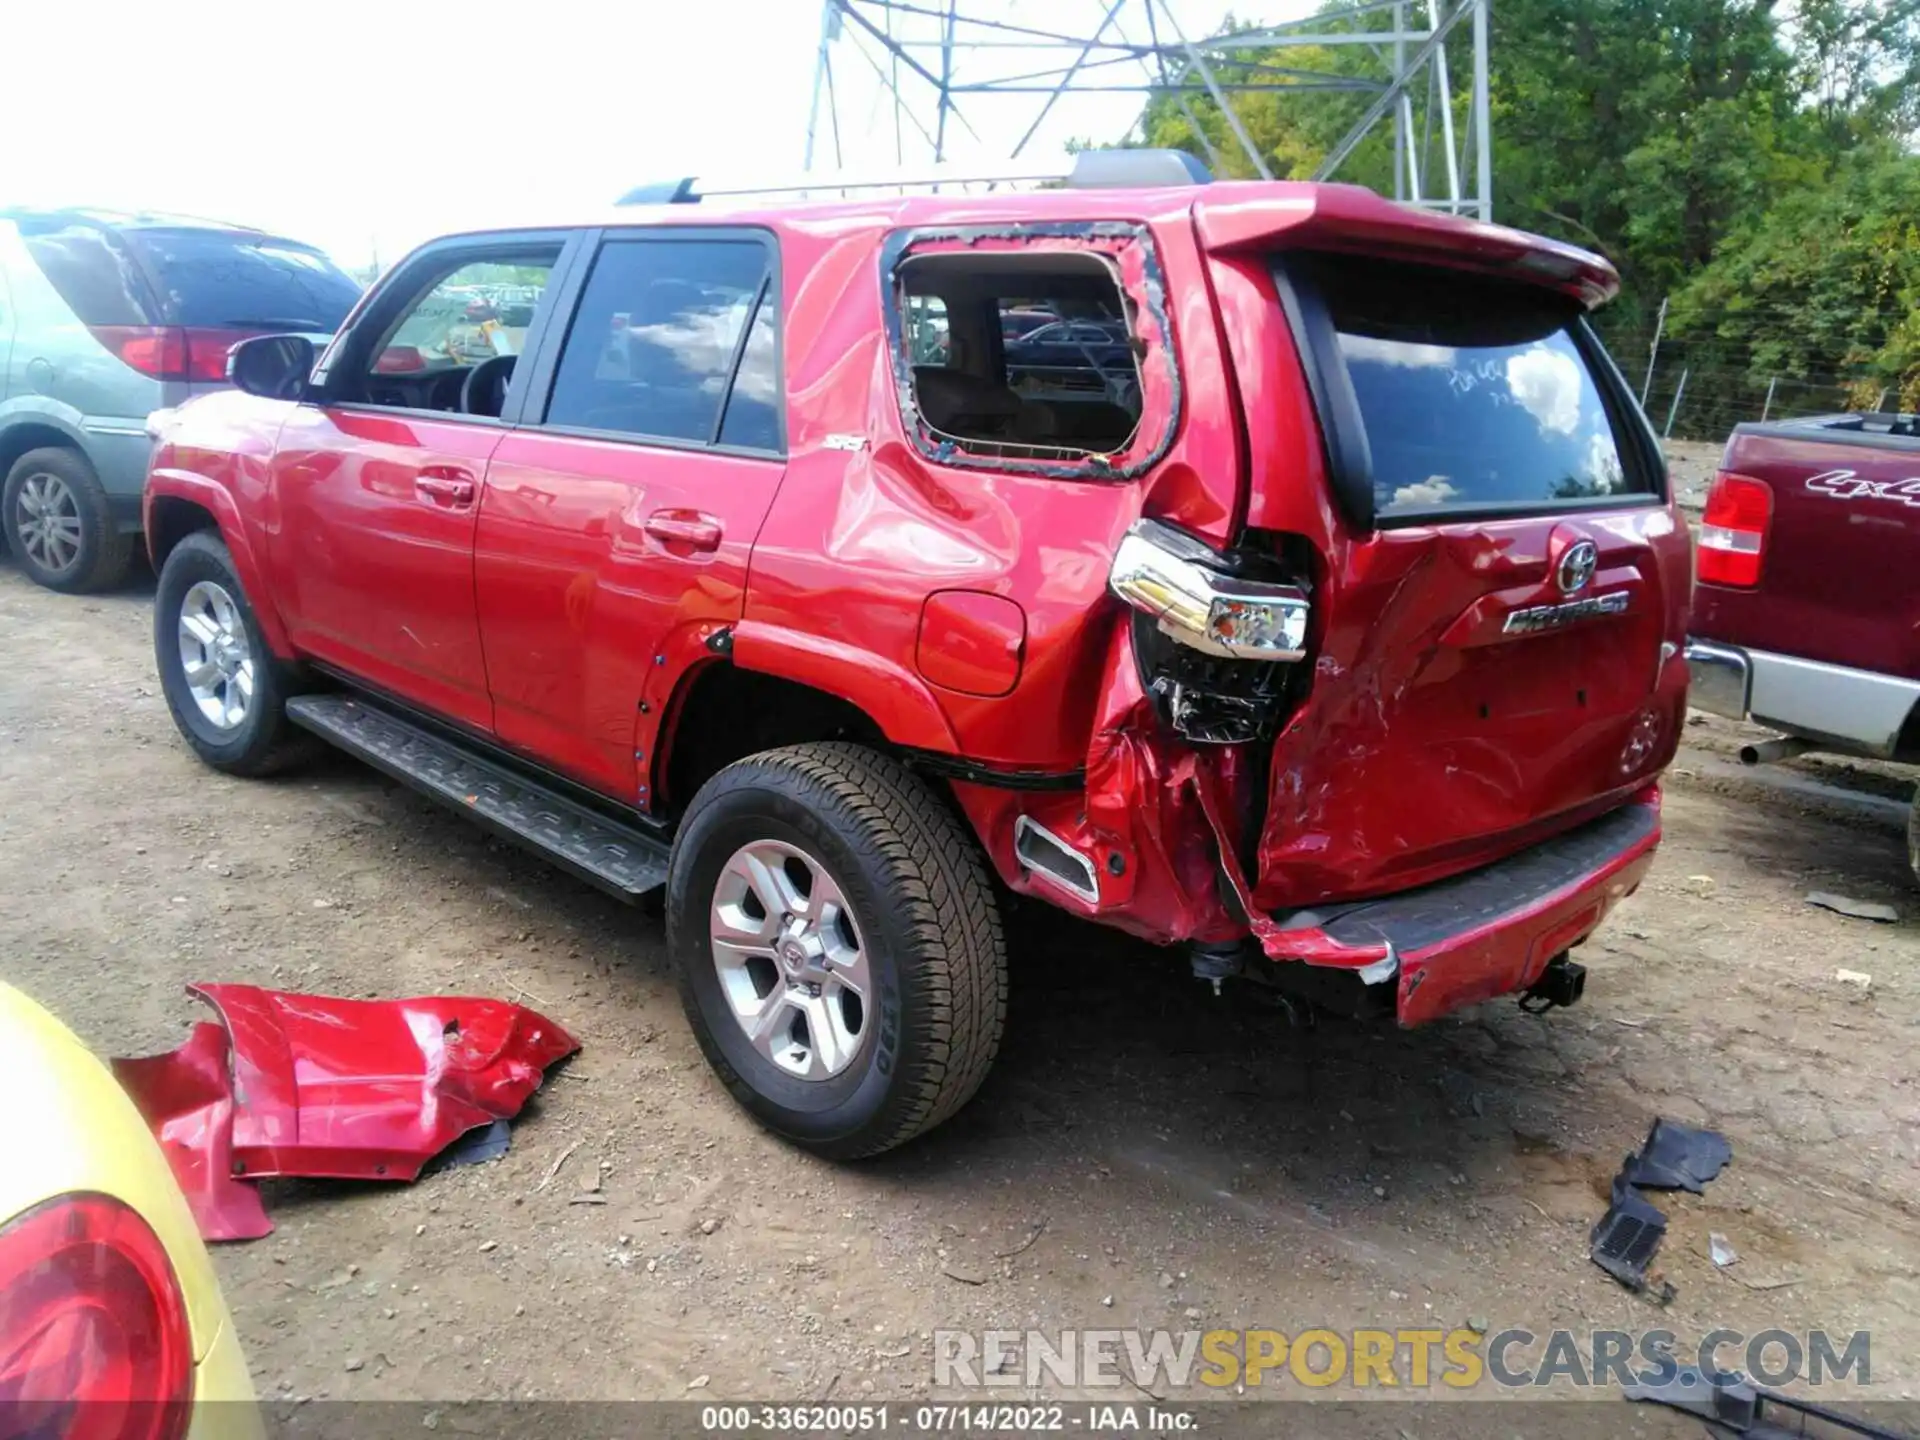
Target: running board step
[618, 858]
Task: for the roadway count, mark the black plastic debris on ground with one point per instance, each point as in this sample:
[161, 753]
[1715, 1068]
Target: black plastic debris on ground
[1678, 1158]
[1675, 1157]
[1624, 1242]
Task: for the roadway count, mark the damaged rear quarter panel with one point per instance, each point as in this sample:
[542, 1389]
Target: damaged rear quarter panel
[870, 521]
[867, 526]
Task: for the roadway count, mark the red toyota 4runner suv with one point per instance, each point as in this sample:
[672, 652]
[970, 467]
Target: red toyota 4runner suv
[1322, 612]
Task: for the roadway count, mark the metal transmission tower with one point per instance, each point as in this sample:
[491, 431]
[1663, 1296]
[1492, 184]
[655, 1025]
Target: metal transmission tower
[906, 80]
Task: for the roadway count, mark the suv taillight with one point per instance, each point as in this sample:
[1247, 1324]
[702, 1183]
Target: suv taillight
[94, 1338]
[1733, 532]
[172, 352]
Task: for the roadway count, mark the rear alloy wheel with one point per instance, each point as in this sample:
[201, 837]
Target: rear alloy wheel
[59, 525]
[839, 951]
[790, 959]
[226, 690]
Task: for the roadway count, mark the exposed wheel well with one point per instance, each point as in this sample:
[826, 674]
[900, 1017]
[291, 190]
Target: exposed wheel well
[727, 713]
[173, 520]
[17, 440]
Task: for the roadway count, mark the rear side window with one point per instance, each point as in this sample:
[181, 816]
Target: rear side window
[1024, 355]
[92, 272]
[1472, 394]
[662, 328]
[240, 280]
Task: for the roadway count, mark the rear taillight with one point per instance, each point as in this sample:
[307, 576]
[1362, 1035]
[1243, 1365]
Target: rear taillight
[173, 352]
[1733, 532]
[94, 1339]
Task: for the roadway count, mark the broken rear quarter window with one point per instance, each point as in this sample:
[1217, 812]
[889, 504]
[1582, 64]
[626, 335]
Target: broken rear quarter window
[1031, 355]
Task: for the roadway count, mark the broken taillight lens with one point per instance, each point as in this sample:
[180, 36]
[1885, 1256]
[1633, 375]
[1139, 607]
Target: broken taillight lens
[94, 1336]
[1171, 577]
[1733, 532]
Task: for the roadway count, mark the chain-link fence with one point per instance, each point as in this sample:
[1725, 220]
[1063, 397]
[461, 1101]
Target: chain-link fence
[1699, 387]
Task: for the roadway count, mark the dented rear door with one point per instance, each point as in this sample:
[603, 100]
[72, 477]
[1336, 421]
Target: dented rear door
[1505, 579]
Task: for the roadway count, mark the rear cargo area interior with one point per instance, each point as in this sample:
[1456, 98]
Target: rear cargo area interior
[1020, 355]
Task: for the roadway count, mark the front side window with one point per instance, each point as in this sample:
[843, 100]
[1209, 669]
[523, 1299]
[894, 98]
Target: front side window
[473, 318]
[1472, 393]
[661, 329]
[480, 310]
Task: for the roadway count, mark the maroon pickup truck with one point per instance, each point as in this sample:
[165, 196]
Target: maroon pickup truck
[1806, 617]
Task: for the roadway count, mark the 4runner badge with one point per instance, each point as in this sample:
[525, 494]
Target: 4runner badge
[1551, 617]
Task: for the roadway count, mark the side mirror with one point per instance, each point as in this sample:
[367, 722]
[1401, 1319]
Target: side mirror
[275, 367]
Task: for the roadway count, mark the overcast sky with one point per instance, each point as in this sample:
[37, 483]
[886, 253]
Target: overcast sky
[366, 126]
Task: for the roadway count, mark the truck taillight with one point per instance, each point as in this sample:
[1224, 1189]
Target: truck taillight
[94, 1338]
[1733, 533]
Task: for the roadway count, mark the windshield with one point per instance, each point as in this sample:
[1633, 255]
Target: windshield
[1471, 393]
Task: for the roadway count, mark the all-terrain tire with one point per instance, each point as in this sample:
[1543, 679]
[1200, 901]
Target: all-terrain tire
[260, 743]
[917, 886]
[90, 552]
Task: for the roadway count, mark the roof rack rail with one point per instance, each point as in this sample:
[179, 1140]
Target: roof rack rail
[1090, 170]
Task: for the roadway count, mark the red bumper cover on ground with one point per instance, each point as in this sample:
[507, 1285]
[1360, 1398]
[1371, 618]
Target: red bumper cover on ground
[313, 1086]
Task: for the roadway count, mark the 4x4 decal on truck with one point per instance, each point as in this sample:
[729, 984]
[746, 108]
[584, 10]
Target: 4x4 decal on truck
[1849, 485]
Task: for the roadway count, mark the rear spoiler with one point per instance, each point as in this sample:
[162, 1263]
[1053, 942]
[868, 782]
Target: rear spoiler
[1266, 216]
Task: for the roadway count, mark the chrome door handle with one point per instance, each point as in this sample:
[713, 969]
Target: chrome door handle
[445, 488]
[684, 527]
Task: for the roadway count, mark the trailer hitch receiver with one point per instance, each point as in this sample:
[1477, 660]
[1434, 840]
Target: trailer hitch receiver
[1562, 983]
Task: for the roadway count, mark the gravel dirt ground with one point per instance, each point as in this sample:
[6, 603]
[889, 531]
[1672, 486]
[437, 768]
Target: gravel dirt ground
[1142, 1155]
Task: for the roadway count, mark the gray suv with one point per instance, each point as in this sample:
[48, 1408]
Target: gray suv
[105, 318]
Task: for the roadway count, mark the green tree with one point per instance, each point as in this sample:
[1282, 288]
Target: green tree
[1824, 288]
[1858, 68]
[1750, 159]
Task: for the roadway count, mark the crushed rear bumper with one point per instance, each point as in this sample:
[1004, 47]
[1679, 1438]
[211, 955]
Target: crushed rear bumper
[1491, 931]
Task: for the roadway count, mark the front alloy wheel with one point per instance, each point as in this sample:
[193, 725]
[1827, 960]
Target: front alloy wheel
[226, 690]
[216, 657]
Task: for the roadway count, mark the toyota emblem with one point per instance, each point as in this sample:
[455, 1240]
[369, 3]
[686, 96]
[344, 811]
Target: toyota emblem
[1577, 567]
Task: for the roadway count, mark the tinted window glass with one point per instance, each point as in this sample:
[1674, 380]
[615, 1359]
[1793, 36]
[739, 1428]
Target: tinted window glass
[92, 272]
[753, 410]
[1471, 393]
[231, 278]
[652, 344]
[480, 310]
